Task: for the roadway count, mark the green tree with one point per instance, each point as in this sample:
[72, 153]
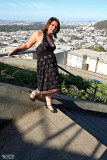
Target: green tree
[101, 49]
[73, 37]
[98, 49]
[61, 40]
[15, 41]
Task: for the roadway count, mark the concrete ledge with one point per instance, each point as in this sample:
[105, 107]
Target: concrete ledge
[14, 101]
[87, 105]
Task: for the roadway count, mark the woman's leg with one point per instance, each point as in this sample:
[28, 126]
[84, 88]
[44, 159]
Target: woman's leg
[48, 98]
[48, 93]
[49, 101]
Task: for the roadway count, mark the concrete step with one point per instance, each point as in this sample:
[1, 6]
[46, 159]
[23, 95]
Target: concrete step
[86, 105]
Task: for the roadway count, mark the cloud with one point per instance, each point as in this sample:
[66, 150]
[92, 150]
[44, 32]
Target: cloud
[40, 5]
[11, 4]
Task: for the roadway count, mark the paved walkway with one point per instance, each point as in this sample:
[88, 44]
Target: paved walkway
[34, 133]
[41, 135]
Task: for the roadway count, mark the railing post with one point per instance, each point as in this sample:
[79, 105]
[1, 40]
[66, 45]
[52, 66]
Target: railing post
[94, 94]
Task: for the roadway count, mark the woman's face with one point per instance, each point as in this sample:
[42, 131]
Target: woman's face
[52, 27]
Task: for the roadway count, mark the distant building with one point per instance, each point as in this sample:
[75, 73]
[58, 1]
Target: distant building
[89, 60]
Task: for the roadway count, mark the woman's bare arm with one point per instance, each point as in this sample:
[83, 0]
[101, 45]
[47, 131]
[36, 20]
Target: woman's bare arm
[32, 40]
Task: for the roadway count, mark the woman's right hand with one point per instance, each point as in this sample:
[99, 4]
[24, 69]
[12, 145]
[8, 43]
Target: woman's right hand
[10, 51]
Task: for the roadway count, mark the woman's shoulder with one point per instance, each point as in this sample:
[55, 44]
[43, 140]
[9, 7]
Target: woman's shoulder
[38, 33]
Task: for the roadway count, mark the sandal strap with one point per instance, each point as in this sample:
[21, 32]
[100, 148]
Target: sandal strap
[33, 94]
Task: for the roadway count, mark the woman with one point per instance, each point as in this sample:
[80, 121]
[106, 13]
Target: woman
[47, 70]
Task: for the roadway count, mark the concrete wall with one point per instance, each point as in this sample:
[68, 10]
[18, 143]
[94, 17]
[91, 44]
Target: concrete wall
[61, 57]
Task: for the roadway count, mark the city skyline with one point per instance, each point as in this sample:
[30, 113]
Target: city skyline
[70, 10]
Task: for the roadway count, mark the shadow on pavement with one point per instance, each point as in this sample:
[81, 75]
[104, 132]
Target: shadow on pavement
[14, 144]
[93, 122]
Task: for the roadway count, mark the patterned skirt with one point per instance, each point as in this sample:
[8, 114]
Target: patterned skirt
[47, 74]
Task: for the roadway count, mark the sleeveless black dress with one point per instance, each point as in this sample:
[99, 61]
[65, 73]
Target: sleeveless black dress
[47, 69]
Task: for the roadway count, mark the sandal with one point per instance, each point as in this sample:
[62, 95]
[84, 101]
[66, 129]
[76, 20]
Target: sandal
[53, 110]
[32, 93]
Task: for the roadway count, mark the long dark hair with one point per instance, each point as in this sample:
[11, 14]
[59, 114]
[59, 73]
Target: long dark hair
[48, 23]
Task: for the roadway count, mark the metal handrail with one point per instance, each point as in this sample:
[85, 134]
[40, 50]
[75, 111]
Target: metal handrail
[17, 53]
[33, 51]
[83, 82]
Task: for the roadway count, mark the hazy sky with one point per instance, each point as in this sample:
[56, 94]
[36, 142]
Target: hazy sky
[67, 10]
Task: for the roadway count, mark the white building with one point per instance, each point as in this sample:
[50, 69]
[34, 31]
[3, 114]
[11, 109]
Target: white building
[102, 68]
[74, 60]
[89, 60]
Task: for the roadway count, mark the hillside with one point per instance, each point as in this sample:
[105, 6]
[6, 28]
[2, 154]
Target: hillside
[14, 27]
[101, 25]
